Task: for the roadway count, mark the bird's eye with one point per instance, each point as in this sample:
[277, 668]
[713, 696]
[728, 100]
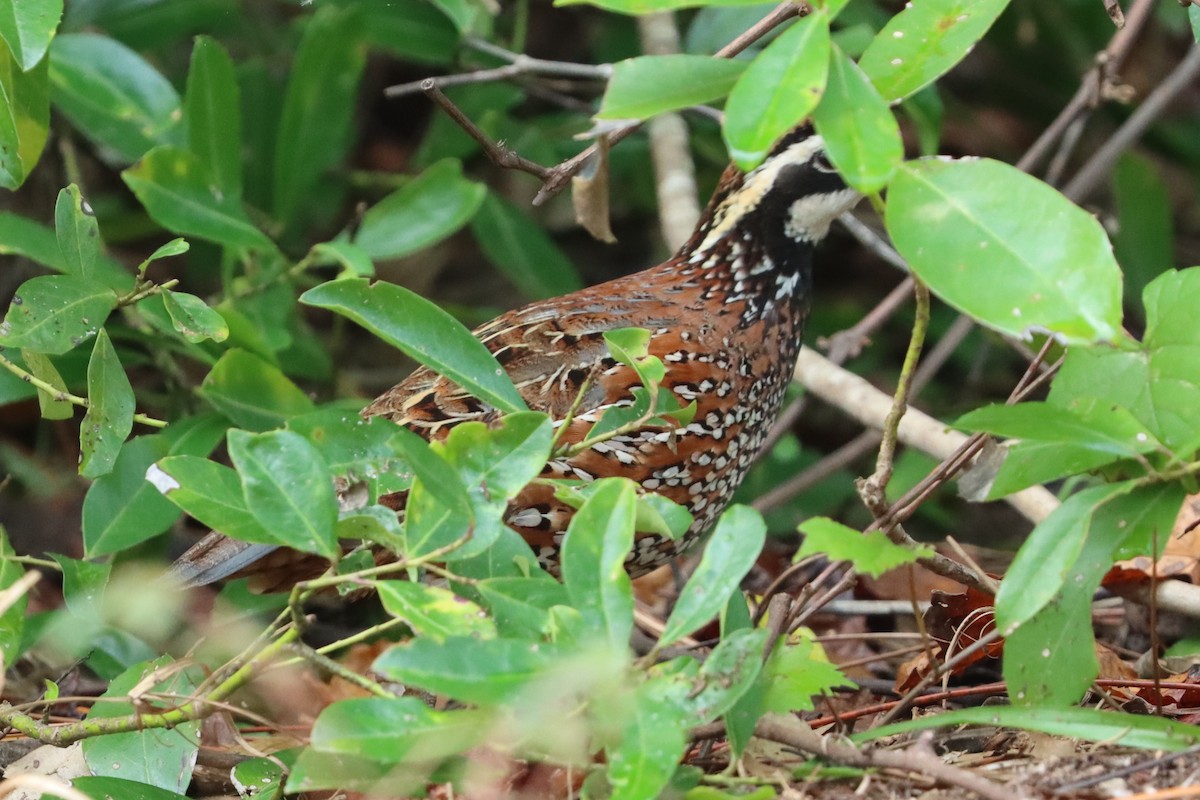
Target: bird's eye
[821, 163]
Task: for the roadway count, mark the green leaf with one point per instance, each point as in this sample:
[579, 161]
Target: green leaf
[423, 332]
[41, 367]
[121, 509]
[27, 26]
[434, 612]
[351, 445]
[438, 478]
[1042, 564]
[1006, 249]
[871, 553]
[483, 671]
[12, 618]
[424, 211]
[599, 537]
[109, 417]
[494, 464]
[193, 318]
[322, 91]
[1159, 382]
[1102, 427]
[24, 237]
[797, 672]
[1143, 731]
[728, 556]
[521, 606]
[105, 788]
[24, 117]
[181, 195]
[1145, 240]
[396, 730]
[112, 95]
[522, 251]
[53, 314]
[653, 735]
[210, 492]
[287, 488]
[924, 41]
[779, 88]
[213, 117]
[1194, 17]
[160, 757]
[260, 778]
[650, 6]
[354, 260]
[709, 691]
[648, 85]
[411, 30]
[861, 134]
[253, 393]
[1031, 463]
[77, 232]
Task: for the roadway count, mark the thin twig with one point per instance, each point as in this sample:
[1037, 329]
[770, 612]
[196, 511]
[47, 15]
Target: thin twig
[501, 156]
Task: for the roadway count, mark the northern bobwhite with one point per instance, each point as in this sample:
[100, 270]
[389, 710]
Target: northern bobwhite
[726, 312]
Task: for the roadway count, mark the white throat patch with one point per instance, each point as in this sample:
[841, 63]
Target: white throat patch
[810, 217]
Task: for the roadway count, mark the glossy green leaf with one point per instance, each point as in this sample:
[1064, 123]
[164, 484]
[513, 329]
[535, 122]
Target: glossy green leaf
[42, 368]
[495, 464]
[411, 30]
[351, 445]
[871, 553]
[162, 758]
[521, 606]
[24, 237]
[373, 523]
[1144, 731]
[24, 117]
[193, 318]
[779, 88]
[1158, 382]
[650, 6]
[924, 41]
[797, 672]
[210, 492]
[322, 91]
[53, 314]
[109, 417]
[287, 488]
[728, 556]
[253, 393]
[1030, 463]
[213, 117]
[112, 95]
[396, 730]
[648, 85]
[121, 509]
[434, 612]
[1042, 564]
[353, 259]
[520, 249]
[599, 537]
[467, 669]
[27, 26]
[706, 692]
[424, 332]
[440, 480]
[260, 778]
[77, 231]
[1006, 249]
[180, 194]
[12, 619]
[424, 211]
[107, 788]
[861, 135]
[651, 744]
[1106, 428]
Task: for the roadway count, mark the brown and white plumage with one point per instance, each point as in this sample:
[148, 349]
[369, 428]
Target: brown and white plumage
[726, 315]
